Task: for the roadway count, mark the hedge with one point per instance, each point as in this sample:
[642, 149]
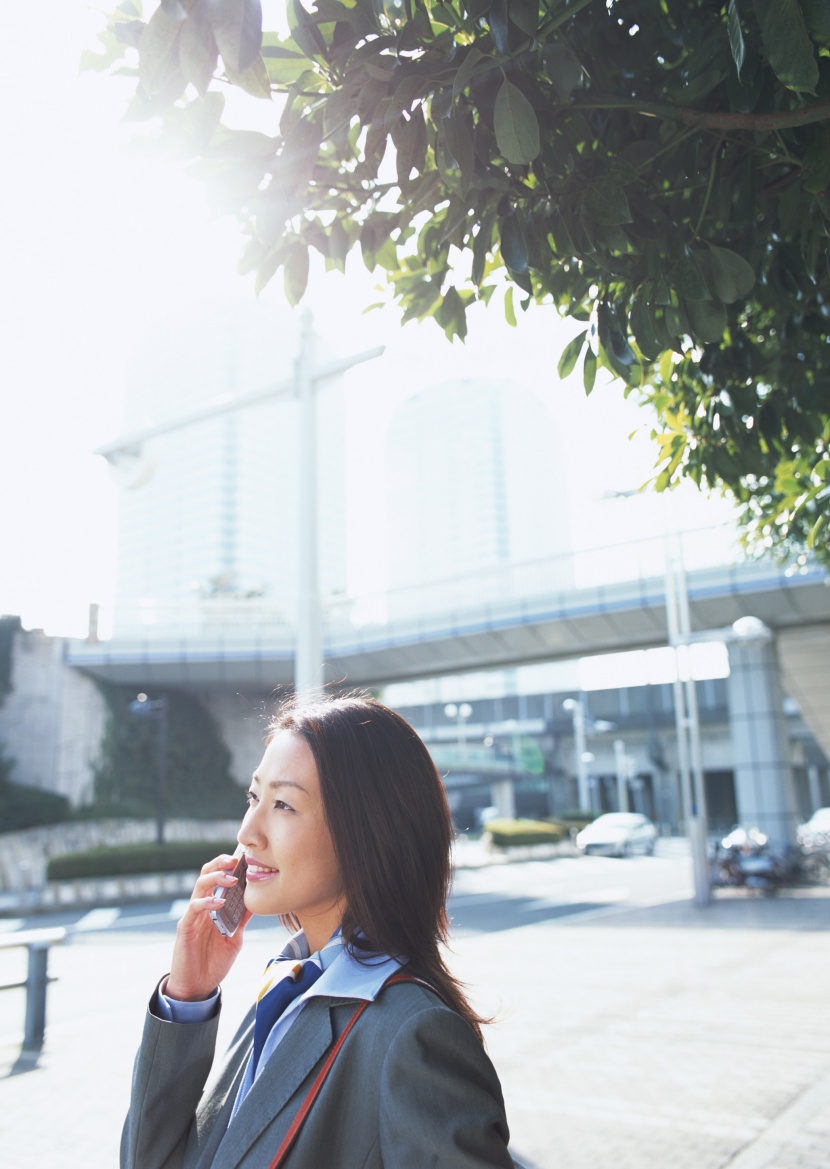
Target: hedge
[510, 833]
[126, 859]
[22, 806]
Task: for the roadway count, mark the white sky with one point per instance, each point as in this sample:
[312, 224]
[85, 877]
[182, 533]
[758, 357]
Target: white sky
[98, 244]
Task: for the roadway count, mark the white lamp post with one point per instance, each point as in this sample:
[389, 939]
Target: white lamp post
[461, 712]
[307, 379]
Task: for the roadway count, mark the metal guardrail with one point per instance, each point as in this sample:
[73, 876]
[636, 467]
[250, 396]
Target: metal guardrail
[37, 942]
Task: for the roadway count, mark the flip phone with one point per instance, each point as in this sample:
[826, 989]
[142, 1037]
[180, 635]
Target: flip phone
[228, 916]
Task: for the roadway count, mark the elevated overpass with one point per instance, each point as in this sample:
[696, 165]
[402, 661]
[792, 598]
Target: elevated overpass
[597, 601]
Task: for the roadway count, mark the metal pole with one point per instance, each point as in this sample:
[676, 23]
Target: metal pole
[36, 982]
[687, 724]
[161, 770]
[309, 650]
[584, 796]
[815, 787]
[622, 784]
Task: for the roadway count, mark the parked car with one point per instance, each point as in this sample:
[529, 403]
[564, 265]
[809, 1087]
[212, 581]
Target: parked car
[618, 834]
[815, 834]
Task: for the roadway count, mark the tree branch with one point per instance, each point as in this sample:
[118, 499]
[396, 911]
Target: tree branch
[712, 119]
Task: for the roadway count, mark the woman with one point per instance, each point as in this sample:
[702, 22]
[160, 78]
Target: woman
[347, 836]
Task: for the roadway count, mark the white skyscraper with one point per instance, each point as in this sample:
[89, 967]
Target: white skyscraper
[475, 485]
[209, 511]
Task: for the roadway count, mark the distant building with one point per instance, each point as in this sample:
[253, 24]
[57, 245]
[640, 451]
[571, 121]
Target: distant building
[476, 486]
[208, 513]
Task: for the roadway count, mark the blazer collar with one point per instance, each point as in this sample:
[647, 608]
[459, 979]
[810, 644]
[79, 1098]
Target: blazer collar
[309, 1039]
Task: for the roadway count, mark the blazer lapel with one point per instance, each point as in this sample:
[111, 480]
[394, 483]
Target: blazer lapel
[304, 1045]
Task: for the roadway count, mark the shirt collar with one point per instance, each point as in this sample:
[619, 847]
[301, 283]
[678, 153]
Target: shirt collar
[344, 975]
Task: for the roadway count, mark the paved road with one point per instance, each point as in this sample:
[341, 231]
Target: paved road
[633, 1030]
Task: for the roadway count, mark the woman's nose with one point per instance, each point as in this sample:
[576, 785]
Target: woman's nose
[248, 833]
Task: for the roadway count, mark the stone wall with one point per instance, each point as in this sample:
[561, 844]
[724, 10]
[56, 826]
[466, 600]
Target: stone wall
[25, 855]
[52, 721]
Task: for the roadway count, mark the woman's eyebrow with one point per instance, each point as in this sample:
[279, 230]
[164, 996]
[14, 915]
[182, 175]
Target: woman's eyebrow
[277, 783]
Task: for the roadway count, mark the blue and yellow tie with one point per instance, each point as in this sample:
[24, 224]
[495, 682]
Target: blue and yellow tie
[284, 982]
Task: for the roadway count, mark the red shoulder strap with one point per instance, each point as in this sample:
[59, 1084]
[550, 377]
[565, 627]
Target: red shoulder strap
[314, 1091]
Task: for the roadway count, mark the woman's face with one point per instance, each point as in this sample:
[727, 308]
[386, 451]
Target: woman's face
[288, 847]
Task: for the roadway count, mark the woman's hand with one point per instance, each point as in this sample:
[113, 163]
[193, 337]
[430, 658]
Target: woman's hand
[201, 955]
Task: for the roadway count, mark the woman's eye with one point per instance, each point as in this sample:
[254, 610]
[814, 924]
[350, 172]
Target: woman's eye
[281, 806]
[250, 798]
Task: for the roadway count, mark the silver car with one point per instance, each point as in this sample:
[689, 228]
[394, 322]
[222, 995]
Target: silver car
[618, 834]
[815, 834]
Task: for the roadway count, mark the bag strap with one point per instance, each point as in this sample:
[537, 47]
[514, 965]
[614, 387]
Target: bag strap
[314, 1091]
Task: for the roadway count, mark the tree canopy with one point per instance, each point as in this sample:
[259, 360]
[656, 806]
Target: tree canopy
[655, 169]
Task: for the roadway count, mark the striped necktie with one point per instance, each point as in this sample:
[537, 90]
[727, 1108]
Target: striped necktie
[275, 996]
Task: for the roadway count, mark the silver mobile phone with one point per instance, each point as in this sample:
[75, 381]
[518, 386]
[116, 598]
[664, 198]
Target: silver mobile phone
[228, 915]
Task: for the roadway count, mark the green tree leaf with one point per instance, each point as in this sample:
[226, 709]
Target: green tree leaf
[817, 164]
[788, 44]
[570, 355]
[157, 57]
[237, 27]
[509, 310]
[516, 125]
[817, 15]
[737, 44]
[513, 243]
[707, 319]
[732, 277]
[198, 51]
[296, 273]
[589, 370]
[607, 202]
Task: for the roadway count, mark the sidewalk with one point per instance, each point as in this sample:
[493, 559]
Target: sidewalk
[663, 1038]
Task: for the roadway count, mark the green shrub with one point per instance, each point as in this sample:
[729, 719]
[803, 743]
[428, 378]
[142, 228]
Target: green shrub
[171, 857]
[29, 807]
[576, 818]
[510, 833]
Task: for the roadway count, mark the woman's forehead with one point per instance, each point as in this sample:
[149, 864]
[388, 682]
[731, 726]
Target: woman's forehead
[288, 759]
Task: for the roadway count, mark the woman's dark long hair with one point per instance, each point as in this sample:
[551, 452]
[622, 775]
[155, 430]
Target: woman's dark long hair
[388, 816]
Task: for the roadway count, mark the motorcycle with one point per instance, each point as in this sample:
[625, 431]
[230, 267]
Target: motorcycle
[745, 858]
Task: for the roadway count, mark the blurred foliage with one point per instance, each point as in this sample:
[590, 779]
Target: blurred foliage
[125, 859]
[655, 169]
[512, 833]
[199, 783]
[22, 806]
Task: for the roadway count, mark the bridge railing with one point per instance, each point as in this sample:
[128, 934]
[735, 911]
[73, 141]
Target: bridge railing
[587, 579]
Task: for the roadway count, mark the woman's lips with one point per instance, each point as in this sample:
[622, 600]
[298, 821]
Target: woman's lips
[256, 872]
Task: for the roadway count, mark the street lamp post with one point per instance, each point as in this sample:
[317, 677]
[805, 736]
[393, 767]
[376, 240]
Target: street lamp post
[461, 712]
[308, 377]
[577, 713]
[156, 708]
[582, 725]
[687, 722]
[622, 765]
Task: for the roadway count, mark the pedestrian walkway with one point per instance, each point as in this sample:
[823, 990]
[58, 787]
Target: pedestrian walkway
[665, 1037]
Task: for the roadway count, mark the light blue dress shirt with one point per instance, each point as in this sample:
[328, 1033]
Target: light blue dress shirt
[344, 976]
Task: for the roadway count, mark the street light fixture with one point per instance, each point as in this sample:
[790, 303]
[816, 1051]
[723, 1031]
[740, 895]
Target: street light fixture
[156, 708]
[461, 712]
[581, 725]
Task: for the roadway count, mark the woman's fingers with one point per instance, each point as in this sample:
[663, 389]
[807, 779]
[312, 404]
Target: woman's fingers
[215, 872]
[225, 861]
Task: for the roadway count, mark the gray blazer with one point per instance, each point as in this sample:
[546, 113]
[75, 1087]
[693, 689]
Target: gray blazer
[411, 1088]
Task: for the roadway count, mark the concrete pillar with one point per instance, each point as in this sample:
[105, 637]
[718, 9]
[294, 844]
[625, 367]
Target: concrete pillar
[503, 797]
[760, 750]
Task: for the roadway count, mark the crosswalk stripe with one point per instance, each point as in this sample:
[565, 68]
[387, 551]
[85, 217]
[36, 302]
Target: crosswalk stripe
[97, 919]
